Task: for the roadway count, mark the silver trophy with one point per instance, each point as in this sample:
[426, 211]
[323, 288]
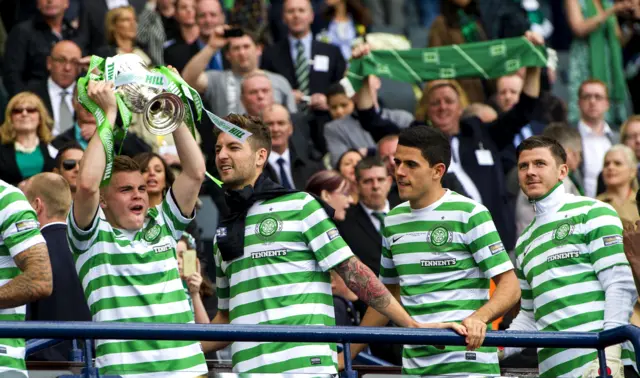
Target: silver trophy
[162, 111]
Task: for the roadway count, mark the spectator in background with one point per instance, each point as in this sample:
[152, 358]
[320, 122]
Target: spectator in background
[198, 286]
[91, 33]
[387, 12]
[185, 17]
[569, 138]
[251, 15]
[348, 20]
[156, 174]
[422, 109]
[166, 9]
[153, 29]
[221, 89]
[56, 91]
[346, 165]
[25, 136]
[630, 134]
[85, 127]
[209, 15]
[121, 29]
[334, 189]
[597, 135]
[596, 53]
[50, 197]
[29, 43]
[256, 93]
[386, 150]
[620, 176]
[288, 164]
[310, 66]
[67, 164]
[460, 23]
[345, 131]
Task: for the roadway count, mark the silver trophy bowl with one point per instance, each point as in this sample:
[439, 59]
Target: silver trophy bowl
[162, 111]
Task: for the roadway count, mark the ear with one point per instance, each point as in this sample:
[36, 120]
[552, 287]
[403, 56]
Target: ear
[261, 157]
[103, 203]
[324, 195]
[259, 49]
[563, 171]
[439, 171]
[38, 206]
[49, 64]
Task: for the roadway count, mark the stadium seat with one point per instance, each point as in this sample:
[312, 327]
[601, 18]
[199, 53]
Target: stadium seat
[397, 95]
[418, 36]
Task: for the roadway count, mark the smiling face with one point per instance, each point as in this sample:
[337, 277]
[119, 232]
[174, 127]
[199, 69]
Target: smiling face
[155, 176]
[617, 170]
[125, 200]
[348, 165]
[25, 117]
[444, 109]
[539, 172]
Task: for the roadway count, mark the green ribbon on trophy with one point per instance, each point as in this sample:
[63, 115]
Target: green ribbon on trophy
[487, 60]
[159, 94]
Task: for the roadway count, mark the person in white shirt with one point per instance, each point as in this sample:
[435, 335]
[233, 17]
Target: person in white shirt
[597, 135]
[291, 166]
[57, 90]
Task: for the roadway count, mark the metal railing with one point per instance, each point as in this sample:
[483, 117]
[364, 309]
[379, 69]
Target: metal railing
[344, 335]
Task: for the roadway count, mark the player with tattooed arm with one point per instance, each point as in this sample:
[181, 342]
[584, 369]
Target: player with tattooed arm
[274, 250]
[440, 251]
[25, 271]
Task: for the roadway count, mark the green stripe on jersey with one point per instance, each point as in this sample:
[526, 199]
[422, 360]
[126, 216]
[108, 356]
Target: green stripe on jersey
[443, 257]
[558, 259]
[19, 231]
[137, 280]
[290, 245]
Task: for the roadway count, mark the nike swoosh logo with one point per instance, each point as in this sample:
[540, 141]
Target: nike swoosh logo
[395, 239]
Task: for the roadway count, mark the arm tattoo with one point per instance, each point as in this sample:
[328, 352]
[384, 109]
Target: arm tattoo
[361, 280]
[34, 283]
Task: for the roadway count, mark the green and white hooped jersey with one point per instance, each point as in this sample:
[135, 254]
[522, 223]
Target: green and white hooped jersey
[559, 260]
[443, 257]
[290, 244]
[133, 277]
[19, 231]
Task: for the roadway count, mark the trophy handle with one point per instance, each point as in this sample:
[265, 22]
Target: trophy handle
[163, 114]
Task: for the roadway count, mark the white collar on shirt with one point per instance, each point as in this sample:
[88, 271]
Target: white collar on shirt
[274, 156]
[306, 42]
[56, 89]
[370, 211]
[586, 130]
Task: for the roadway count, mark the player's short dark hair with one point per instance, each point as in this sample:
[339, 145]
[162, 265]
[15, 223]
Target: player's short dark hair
[261, 136]
[432, 143]
[123, 163]
[368, 163]
[334, 90]
[539, 141]
[62, 150]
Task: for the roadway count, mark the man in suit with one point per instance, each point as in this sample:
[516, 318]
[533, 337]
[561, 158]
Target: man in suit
[209, 15]
[597, 135]
[91, 33]
[289, 161]
[310, 66]
[29, 43]
[50, 197]
[56, 91]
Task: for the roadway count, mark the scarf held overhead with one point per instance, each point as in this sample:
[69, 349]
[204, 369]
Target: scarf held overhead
[487, 60]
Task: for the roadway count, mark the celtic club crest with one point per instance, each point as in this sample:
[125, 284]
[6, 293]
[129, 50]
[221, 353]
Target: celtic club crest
[562, 232]
[268, 228]
[439, 236]
[152, 233]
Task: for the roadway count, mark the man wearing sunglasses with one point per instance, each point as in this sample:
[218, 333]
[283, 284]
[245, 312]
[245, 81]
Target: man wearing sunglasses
[67, 164]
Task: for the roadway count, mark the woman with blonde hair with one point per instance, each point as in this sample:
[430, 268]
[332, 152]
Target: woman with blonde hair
[621, 182]
[24, 136]
[121, 29]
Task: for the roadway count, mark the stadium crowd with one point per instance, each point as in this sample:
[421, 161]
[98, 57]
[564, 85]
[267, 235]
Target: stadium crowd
[464, 203]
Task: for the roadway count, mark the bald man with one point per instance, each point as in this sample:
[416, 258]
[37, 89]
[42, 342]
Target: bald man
[50, 197]
[288, 161]
[56, 91]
